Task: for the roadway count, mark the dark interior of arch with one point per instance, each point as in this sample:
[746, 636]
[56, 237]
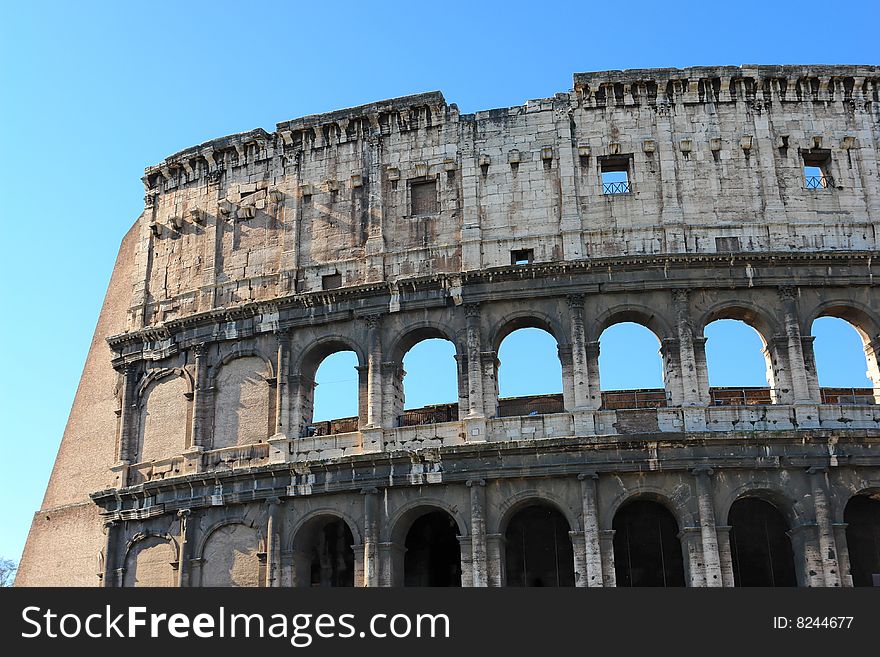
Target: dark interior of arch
[538, 548]
[759, 546]
[647, 551]
[862, 516]
[332, 555]
[433, 555]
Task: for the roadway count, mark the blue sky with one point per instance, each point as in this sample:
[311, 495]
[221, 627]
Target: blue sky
[91, 93]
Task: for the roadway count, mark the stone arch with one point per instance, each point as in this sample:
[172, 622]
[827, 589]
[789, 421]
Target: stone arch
[527, 318]
[242, 352]
[759, 539]
[306, 367]
[398, 524]
[518, 501]
[303, 520]
[863, 318]
[163, 401]
[684, 516]
[409, 565]
[766, 492]
[232, 553]
[648, 545]
[151, 560]
[745, 311]
[861, 515]
[334, 560]
[630, 312]
[243, 399]
[417, 332]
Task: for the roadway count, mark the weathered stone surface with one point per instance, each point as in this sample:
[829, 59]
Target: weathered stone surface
[370, 229]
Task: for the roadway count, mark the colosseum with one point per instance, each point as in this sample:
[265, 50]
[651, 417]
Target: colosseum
[669, 198]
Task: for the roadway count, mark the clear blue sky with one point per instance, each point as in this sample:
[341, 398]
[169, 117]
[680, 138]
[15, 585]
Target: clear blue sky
[94, 92]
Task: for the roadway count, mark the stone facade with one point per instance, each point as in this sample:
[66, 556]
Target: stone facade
[191, 458]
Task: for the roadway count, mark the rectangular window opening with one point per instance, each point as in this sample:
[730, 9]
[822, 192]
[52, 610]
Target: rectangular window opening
[615, 175]
[817, 168]
[522, 257]
[331, 281]
[423, 197]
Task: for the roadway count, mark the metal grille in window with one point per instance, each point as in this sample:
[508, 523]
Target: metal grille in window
[816, 182]
[615, 187]
[423, 197]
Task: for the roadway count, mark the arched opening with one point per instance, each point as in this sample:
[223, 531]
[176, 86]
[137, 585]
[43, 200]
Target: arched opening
[538, 549]
[243, 402]
[323, 554]
[739, 365]
[759, 544]
[433, 554]
[647, 551]
[430, 384]
[841, 363]
[529, 373]
[233, 555]
[334, 406]
[630, 367]
[862, 517]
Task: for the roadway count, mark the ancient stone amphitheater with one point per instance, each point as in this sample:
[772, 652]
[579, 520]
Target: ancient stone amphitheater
[669, 198]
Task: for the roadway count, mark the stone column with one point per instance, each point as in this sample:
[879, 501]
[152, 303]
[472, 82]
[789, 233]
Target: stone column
[593, 381]
[670, 354]
[842, 553]
[808, 562]
[479, 567]
[872, 355]
[564, 353]
[690, 388]
[495, 555]
[392, 395]
[726, 556]
[358, 549]
[606, 544]
[301, 390]
[490, 364]
[466, 559]
[374, 373]
[827, 547]
[796, 367]
[580, 564]
[692, 548]
[371, 537]
[708, 534]
[810, 368]
[592, 549]
[579, 361]
[200, 420]
[185, 538]
[778, 374]
[474, 360]
[111, 529]
[702, 370]
[282, 388]
[273, 543]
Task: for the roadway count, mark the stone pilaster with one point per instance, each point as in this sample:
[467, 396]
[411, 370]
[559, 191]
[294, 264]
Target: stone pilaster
[579, 361]
[606, 545]
[479, 564]
[796, 367]
[184, 537]
[495, 546]
[827, 547]
[282, 388]
[371, 537]
[842, 553]
[108, 578]
[127, 415]
[474, 359]
[200, 419]
[592, 549]
[708, 534]
[725, 555]
[273, 543]
[374, 372]
[691, 393]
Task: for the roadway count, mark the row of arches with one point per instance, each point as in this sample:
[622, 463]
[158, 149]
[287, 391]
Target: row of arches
[237, 401]
[537, 548]
[629, 359]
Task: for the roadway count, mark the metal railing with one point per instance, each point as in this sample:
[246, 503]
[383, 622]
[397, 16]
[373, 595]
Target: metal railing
[533, 405]
[616, 187]
[619, 400]
[428, 415]
[817, 182]
[751, 396]
[852, 396]
[331, 427]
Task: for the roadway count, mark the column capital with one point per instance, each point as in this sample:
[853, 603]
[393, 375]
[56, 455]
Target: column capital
[787, 292]
[373, 320]
[589, 474]
[475, 482]
[184, 513]
[817, 469]
[681, 295]
[702, 470]
[575, 301]
[370, 490]
[200, 349]
[273, 501]
[472, 309]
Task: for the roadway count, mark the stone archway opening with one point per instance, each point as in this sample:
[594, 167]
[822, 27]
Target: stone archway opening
[323, 554]
[433, 554]
[538, 550]
[759, 545]
[647, 551]
[862, 517]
